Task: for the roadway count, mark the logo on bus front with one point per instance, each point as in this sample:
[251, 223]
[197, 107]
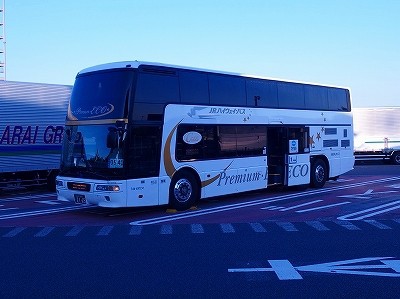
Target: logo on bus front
[93, 112]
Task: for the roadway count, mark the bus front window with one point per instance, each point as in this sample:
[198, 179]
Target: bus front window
[94, 148]
[100, 95]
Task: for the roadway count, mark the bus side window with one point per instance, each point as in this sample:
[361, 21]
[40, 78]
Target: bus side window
[190, 148]
[316, 97]
[251, 140]
[338, 99]
[156, 88]
[262, 93]
[227, 137]
[194, 87]
[197, 142]
[301, 135]
[211, 143]
[291, 95]
[227, 90]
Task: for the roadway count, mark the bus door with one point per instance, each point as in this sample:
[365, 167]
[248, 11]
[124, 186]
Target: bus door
[297, 160]
[276, 149]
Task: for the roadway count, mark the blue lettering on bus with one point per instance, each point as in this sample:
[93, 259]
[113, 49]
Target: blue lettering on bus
[298, 170]
[236, 111]
[255, 176]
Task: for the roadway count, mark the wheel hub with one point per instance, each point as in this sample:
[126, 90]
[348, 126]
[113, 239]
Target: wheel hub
[319, 173]
[182, 190]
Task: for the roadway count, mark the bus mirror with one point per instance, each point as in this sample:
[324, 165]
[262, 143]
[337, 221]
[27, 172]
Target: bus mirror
[112, 138]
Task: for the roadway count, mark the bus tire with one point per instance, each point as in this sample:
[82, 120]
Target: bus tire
[319, 173]
[183, 191]
[396, 158]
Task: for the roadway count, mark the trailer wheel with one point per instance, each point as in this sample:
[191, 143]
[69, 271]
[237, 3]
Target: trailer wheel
[183, 191]
[396, 158]
[51, 180]
[319, 173]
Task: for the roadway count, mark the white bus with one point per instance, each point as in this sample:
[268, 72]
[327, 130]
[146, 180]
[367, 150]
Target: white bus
[145, 134]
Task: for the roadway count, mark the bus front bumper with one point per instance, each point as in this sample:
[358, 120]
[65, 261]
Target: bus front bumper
[83, 192]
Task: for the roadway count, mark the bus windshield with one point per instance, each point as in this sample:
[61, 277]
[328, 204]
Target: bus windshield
[100, 95]
[90, 149]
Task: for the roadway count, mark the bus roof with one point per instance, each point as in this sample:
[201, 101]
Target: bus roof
[135, 64]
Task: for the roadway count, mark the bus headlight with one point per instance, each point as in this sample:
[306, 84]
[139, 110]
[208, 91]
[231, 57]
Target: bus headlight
[112, 188]
[59, 183]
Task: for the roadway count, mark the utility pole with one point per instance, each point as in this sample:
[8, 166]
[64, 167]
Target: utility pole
[2, 41]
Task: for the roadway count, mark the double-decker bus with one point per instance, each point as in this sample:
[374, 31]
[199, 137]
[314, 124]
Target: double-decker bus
[145, 134]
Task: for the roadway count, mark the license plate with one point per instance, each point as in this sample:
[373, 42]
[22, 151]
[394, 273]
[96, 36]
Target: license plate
[80, 199]
[116, 163]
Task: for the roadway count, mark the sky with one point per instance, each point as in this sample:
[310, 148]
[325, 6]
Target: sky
[350, 43]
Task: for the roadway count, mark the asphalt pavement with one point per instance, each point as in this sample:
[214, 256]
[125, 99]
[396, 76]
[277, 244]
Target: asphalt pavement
[95, 253]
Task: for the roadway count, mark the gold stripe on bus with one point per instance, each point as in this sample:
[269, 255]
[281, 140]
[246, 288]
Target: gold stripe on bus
[168, 164]
[69, 113]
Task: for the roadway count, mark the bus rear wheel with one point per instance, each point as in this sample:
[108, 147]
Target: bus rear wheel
[183, 191]
[319, 173]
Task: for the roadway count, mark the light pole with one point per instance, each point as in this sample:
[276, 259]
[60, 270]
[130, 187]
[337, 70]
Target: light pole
[3, 56]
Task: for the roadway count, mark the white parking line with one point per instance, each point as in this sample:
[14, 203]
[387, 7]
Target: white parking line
[227, 228]
[75, 231]
[24, 197]
[14, 232]
[377, 224]
[396, 186]
[270, 208]
[191, 214]
[166, 229]
[287, 226]
[346, 224]
[317, 225]
[44, 232]
[301, 205]
[257, 227]
[324, 207]
[49, 202]
[105, 230]
[135, 231]
[41, 212]
[197, 229]
[381, 209]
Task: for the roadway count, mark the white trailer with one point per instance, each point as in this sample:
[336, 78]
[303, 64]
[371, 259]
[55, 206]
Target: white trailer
[377, 134]
[32, 117]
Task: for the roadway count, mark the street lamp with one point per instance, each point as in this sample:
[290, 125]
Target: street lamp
[3, 39]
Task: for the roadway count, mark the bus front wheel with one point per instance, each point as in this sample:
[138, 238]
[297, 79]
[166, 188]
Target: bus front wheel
[319, 173]
[184, 191]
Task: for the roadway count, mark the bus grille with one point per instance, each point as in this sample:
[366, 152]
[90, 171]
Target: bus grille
[78, 186]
